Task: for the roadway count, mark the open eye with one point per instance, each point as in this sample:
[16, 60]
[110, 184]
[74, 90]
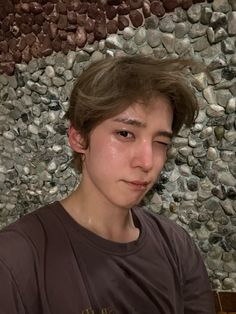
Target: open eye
[125, 134]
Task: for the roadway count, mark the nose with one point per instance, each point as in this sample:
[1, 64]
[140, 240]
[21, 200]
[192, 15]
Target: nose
[143, 156]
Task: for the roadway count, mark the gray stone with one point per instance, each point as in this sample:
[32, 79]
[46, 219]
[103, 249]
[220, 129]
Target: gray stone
[70, 59]
[212, 153]
[199, 152]
[68, 75]
[9, 135]
[145, 50]
[38, 88]
[152, 22]
[230, 136]
[159, 52]
[228, 283]
[227, 207]
[232, 23]
[96, 56]
[232, 165]
[12, 81]
[197, 30]
[185, 151]
[58, 81]
[181, 29]
[211, 35]
[166, 24]
[200, 82]
[206, 14]
[82, 56]
[33, 129]
[220, 34]
[45, 80]
[140, 36]
[233, 4]
[228, 46]
[128, 33]
[209, 95]
[218, 19]
[153, 38]
[130, 47]
[200, 44]
[168, 41]
[179, 15]
[194, 13]
[221, 6]
[182, 45]
[32, 66]
[215, 111]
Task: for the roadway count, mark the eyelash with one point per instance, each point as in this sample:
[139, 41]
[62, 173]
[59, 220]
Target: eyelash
[132, 135]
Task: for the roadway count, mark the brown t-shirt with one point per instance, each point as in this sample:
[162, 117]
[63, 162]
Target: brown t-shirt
[49, 264]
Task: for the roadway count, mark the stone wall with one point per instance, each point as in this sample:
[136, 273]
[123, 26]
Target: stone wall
[41, 57]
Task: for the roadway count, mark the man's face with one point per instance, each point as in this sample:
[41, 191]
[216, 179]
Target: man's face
[127, 153]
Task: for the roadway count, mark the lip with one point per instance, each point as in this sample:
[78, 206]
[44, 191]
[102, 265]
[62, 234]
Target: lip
[138, 185]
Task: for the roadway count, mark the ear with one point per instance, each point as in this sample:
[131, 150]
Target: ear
[75, 139]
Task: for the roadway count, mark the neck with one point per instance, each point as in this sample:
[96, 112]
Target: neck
[99, 216]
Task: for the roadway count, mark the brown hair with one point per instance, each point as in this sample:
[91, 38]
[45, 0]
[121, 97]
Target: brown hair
[108, 87]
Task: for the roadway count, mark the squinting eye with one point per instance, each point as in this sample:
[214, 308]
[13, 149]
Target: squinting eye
[162, 143]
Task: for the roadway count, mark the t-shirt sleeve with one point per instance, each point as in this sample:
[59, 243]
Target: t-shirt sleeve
[10, 299]
[197, 293]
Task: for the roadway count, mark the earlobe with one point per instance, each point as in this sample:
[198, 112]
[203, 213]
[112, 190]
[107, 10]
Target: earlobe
[75, 140]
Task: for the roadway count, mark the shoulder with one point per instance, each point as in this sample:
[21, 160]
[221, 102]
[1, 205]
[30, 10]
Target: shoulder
[23, 236]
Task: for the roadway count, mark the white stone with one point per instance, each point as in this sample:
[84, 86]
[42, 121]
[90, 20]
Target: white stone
[33, 129]
[212, 153]
[231, 105]
[49, 71]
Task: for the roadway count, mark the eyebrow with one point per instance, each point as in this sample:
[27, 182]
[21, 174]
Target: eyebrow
[140, 124]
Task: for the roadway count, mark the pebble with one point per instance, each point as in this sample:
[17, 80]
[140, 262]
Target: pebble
[212, 153]
[168, 41]
[140, 36]
[166, 24]
[215, 111]
[153, 38]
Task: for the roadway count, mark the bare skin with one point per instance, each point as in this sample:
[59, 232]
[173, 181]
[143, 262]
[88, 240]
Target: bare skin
[125, 156]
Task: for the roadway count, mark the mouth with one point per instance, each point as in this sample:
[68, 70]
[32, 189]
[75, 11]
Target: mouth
[138, 185]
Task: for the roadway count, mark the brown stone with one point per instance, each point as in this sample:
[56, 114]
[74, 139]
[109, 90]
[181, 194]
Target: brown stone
[24, 18]
[146, 8]
[62, 34]
[22, 43]
[30, 39]
[112, 27]
[54, 17]
[7, 67]
[36, 29]
[186, 4]
[26, 55]
[83, 7]
[100, 31]
[3, 46]
[52, 30]
[110, 12]
[170, 5]
[7, 57]
[123, 9]
[135, 4]
[71, 38]
[136, 18]
[48, 8]
[2, 37]
[61, 8]
[80, 37]
[72, 17]
[65, 47]
[41, 37]
[15, 31]
[17, 56]
[25, 7]
[39, 19]
[89, 25]
[56, 44]
[12, 43]
[81, 18]
[8, 6]
[90, 38]
[157, 8]
[46, 47]
[46, 27]
[36, 50]
[73, 5]
[72, 28]
[25, 28]
[122, 22]
[18, 9]
[114, 2]
[35, 7]
[92, 10]
[102, 4]
[62, 22]
[5, 25]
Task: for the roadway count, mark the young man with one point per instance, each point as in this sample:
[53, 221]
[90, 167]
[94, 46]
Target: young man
[96, 251]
